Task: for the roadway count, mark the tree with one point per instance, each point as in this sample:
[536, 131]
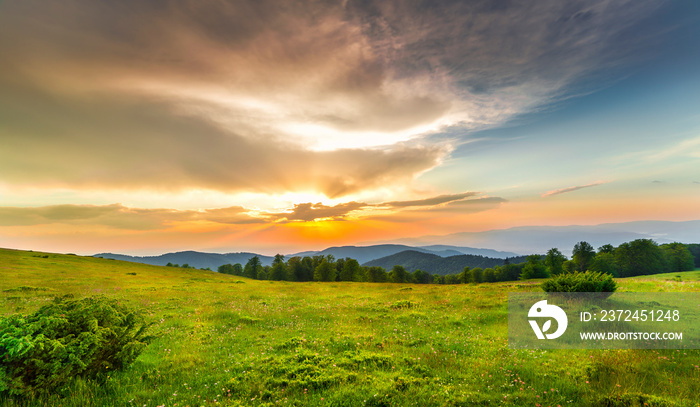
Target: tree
[569, 266]
[678, 257]
[376, 274]
[294, 269]
[604, 262]
[421, 277]
[489, 275]
[640, 257]
[465, 276]
[237, 269]
[339, 264]
[307, 269]
[351, 270]
[509, 272]
[438, 279]
[606, 248]
[398, 274]
[477, 275]
[694, 249]
[225, 269]
[534, 268]
[264, 274]
[554, 260]
[279, 259]
[278, 271]
[253, 268]
[452, 279]
[325, 271]
[583, 255]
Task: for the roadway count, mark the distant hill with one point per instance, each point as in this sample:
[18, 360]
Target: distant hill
[413, 260]
[364, 254]
[456, 250]
[195, 259]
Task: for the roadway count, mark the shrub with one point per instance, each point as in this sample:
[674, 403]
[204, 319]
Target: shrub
[41, 353]
[404, 304]
[589, 281]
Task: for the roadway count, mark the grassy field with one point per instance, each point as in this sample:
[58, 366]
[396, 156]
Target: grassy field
[226, 340]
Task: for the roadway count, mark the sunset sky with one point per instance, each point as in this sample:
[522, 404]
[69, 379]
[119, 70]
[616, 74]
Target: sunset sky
[144, 127]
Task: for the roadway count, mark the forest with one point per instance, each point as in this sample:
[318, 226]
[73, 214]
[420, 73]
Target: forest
[635, 258]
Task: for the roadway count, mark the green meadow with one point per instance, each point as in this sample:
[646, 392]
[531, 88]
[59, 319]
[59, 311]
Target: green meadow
[230, 341]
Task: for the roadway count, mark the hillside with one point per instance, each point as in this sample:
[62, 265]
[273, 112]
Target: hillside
[364, 254]
[413, 260]
[227, 340]
[456, 250]
[194, 259]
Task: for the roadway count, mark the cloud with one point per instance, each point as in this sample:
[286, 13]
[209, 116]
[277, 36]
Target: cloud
[572, 189]
[431, 201]
[464, 206]
[134, 145]
[123, 217]
[334, 97]
[475, 205]
[309, 212]
[502, 59]
[119, 216]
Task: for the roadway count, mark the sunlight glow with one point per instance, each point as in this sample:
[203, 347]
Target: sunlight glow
[326, 138]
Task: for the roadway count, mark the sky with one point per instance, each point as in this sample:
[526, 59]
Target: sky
[144, 127]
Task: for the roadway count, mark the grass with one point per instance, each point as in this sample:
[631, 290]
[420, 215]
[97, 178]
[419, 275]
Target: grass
[226, 340]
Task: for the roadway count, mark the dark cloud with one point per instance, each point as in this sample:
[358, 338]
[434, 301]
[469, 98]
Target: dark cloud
[492, 45]
[308, 211]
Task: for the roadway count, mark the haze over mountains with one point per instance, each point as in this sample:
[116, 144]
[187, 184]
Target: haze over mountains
[539, 239]
[432, 252]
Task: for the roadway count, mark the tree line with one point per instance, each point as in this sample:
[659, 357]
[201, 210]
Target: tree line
[639, 257]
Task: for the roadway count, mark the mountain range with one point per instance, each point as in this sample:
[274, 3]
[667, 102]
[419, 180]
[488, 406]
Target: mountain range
[413, 260]
[362, 254]
[193, 259]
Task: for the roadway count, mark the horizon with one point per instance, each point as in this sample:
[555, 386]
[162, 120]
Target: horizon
[436, 241]
[136, 128]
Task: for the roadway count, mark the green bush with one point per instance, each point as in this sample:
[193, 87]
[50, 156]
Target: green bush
[590, 281]
[41, 353]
